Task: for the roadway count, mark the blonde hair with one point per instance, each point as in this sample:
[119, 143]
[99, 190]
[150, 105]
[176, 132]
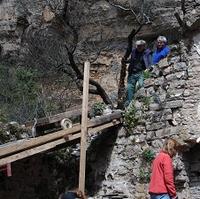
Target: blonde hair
[171, 146]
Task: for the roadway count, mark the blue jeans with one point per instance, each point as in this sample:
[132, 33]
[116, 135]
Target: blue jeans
[161, 196]
[131, 87]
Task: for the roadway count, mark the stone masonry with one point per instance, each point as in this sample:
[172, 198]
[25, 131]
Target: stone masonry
[168, 105]
[171, 110]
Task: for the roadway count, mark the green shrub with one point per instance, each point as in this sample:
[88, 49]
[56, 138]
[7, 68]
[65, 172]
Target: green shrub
[148, 155]
[98, 108]
[19, 93]
[130, 117]
[27, 92]
[3, 116]
[144, 176]
[147, 74]
[146, 100]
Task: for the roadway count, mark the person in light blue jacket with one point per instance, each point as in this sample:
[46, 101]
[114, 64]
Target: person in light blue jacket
[161, 51]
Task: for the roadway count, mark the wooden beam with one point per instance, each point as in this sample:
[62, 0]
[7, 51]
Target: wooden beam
[25, 144]
[45, 147]
[56, 118]
[102, 127]
[105, 118]
[84, 127]
[20, 145]
[30, 152]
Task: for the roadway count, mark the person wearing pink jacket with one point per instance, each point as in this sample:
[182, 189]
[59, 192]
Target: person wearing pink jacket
[162, 177]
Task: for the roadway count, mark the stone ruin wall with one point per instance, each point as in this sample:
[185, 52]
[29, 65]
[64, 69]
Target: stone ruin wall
[173, 111]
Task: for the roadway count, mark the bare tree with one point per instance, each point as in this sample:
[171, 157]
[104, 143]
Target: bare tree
[53, 45]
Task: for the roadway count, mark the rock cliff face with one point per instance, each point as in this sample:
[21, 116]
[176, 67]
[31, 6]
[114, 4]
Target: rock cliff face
[102, 27]
[170, 100]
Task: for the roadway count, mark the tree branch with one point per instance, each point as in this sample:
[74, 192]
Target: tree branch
[125, 9]
[130, 41]
[183, 7]
[181, 22]
[99, 90]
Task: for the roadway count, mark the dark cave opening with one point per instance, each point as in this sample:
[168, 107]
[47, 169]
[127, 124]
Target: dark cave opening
[192, 165]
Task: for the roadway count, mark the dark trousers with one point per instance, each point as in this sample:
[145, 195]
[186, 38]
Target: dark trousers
[69, 195]
[133, 80]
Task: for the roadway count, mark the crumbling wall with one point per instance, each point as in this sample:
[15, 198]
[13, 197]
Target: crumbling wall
[173, 94]
[167, 106]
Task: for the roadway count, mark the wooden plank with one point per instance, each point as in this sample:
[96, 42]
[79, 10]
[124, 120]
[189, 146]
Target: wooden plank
[8, 170]
[53, 144]
[56, 118]
[94, 130]
[10, 148]
[105, 118]
[84, 127]
[30, 152]
[36, 150]
[102, 127]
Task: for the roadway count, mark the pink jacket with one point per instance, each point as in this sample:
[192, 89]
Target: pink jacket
[162, 177]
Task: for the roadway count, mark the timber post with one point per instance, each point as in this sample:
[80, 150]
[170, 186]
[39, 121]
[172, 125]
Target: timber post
[84, 127]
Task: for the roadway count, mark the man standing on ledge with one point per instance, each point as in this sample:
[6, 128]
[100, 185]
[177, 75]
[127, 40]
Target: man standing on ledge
[141, 60]
[162, 50]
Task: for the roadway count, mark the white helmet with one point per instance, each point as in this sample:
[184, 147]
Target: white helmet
[140, 42]
[162, 38]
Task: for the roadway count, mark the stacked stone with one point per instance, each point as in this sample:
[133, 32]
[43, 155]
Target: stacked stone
[173, 92]
[166, 91]
[161, 118]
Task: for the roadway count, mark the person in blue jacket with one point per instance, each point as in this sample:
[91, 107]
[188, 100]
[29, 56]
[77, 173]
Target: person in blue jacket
[141, 59]
[161, 51]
